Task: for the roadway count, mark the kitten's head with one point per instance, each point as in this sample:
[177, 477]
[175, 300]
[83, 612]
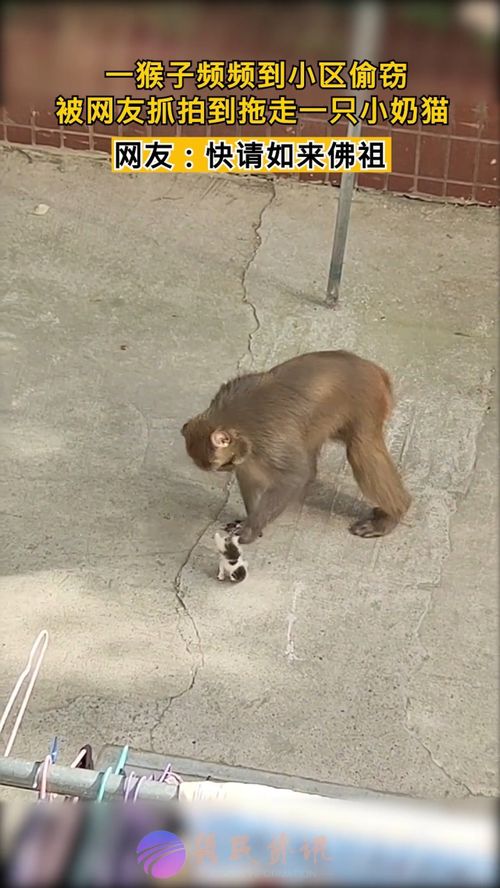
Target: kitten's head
[228, 546]
[220, 542]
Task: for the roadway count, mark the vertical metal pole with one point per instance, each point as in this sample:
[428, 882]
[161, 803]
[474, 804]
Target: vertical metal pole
[367, 17]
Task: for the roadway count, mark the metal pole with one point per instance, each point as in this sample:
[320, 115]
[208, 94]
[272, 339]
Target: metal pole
[79, 782]
[367, 18]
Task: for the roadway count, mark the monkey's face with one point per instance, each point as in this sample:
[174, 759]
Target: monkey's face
[213, 450]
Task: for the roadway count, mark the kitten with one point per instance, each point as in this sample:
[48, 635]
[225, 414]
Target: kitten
[231, 564]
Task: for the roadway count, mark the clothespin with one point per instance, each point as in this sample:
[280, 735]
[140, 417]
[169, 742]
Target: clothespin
[53, 750]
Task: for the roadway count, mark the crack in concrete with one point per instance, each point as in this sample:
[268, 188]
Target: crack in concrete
[246, 301]
[412, 732]
[431, 588]
[161, 714]
[183, 610]
[181, 606]
[410, 729]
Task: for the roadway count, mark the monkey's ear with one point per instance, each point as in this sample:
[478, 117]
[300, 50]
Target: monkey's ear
[183, 430]
[220, 438]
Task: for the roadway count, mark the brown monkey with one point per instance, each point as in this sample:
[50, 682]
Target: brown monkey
[269, 429]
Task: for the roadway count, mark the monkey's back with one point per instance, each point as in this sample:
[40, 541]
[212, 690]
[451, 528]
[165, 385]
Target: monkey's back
[318, 395]
[255, 402]
[339, 382]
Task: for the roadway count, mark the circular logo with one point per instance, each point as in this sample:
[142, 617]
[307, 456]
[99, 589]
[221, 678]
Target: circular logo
[161, 854]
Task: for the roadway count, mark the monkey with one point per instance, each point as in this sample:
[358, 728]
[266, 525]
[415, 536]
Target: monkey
[269, 429]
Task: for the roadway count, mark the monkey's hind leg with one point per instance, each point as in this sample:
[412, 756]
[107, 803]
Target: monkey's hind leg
[380, 482]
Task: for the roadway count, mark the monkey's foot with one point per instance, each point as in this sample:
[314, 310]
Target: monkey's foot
[380, 524]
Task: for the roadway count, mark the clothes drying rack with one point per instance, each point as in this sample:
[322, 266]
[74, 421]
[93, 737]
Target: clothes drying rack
[156, 778]
[351, 819]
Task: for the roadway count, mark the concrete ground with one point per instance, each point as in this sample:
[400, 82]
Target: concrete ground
[367, 663]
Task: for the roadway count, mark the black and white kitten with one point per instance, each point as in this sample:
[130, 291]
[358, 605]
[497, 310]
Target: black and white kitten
[231, 563]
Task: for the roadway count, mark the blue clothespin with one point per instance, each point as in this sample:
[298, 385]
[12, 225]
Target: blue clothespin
[120, 765]
[53, 750]
[117, 769]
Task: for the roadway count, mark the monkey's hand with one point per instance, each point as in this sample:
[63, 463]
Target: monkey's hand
[270, 504]
[248, 534]
[236, 527]
[233, 526]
